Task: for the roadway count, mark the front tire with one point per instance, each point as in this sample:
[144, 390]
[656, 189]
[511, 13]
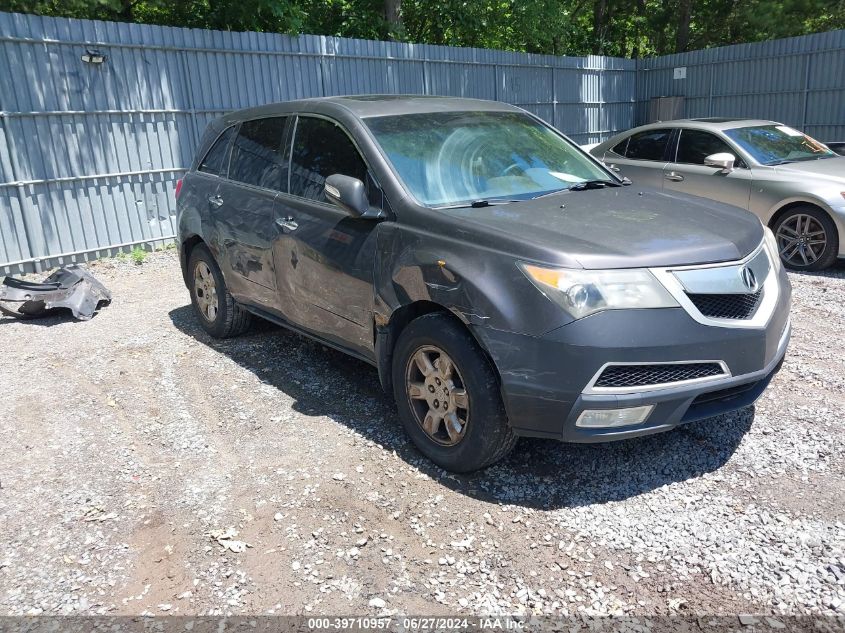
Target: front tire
[216, 310]
[448, 396]
[807, 239]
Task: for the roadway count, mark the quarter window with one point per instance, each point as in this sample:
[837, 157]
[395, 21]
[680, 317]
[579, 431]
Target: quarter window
[321, 148]
[216, 161]
[257, 153]
[648, 145]
[696, 145]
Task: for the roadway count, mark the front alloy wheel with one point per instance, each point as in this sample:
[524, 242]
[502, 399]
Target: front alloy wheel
[806, 239]
[448, 395]
[437, 396]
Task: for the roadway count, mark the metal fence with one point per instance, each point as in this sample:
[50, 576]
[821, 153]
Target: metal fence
[799, 81]
[89, 153]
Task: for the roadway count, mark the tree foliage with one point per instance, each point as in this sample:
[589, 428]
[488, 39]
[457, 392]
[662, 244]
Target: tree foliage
[625, 28]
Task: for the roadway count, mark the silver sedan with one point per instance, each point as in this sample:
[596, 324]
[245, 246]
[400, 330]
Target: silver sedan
[793, 183]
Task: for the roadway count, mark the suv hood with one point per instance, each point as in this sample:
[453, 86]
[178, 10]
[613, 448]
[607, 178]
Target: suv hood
[620, 227]
[827, 168]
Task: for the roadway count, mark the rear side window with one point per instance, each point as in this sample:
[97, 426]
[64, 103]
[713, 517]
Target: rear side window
[648, 145]
[620, 148]
[321, 148]
[696, 145]
[257, 153]
[216, 161]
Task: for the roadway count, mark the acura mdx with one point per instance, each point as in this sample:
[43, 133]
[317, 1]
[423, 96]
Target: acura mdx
[502, 281]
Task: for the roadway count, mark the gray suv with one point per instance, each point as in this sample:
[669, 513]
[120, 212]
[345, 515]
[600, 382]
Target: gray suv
[503, 282]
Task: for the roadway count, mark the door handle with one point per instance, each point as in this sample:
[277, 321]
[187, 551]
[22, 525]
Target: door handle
[215, 201]
[673, 176]
[287, 223]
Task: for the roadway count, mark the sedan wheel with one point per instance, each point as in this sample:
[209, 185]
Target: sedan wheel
[801, 240]
[807, 238]
[437, 395]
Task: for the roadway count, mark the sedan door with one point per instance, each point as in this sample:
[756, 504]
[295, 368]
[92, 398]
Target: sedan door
[641, 157]
[688, 173]
[324, 256]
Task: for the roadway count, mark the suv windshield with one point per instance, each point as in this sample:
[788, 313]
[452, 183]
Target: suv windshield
[778, 144]
[449, 158]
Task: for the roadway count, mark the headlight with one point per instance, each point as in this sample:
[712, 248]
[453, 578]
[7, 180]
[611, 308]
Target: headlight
[583, 292]
[772, 248]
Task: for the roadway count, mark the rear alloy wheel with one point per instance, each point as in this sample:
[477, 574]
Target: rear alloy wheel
[217, 311]
[448, 395]
[807, 239]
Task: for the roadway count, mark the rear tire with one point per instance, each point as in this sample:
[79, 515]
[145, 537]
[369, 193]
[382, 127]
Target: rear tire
[454, 412]
[807, 239]
[216, 310]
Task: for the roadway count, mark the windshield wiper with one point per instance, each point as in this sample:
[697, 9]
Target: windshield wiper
[477, 204]
[594, 184]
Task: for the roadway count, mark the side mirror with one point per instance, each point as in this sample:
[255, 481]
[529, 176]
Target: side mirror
[723, 160]
[350, 194]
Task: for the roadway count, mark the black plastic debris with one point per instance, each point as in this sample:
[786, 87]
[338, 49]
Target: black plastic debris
[71, 287]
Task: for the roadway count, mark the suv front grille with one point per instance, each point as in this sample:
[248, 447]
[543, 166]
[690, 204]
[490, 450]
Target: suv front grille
[727, 306]
[620, 376]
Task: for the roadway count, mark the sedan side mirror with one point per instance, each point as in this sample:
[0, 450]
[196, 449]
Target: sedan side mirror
[350, 194]
[723, 160]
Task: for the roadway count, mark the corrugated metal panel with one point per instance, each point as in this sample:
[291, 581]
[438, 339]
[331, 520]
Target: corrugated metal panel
[97, 149]
[89, 154]
[799, 81]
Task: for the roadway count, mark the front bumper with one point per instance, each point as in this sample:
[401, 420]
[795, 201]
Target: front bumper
[545, 379]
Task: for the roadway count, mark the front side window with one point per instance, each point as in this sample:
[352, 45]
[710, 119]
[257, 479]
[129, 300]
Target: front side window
[778, 144]
[216, 161]
[696, 145]
[257, 153]
[320, 149]
[648, 145]
[452, 158]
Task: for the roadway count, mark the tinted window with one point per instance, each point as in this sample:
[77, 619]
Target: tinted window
[620, 148]
[257, 153]
[696, 145]
[648, 145]
[321, 148]
[216, 161]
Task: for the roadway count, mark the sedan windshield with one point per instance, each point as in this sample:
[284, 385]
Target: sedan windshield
[455, 158]
[778, 144]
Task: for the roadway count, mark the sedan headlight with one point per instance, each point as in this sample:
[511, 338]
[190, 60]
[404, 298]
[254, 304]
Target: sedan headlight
[584, 292]
[772, 248]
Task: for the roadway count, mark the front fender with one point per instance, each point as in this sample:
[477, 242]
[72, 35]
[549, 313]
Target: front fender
[481, 286]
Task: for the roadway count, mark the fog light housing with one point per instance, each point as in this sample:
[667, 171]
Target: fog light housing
[613, 418]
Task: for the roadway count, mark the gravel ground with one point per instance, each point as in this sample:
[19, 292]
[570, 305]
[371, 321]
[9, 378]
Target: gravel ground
[147, 468]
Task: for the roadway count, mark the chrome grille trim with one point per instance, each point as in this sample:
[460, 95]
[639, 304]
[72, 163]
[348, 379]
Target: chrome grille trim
[670, 277]
[593, 389]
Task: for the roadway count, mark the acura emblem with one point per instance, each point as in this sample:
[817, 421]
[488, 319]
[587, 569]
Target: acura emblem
[749, 279]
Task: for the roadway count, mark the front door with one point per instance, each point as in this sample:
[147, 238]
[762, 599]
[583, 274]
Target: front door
[688, 173]
[323, 255]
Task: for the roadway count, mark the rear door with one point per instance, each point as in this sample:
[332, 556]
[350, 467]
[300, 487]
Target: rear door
[642, 156]
[244, 210]
[323, 255]
[687, 173]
